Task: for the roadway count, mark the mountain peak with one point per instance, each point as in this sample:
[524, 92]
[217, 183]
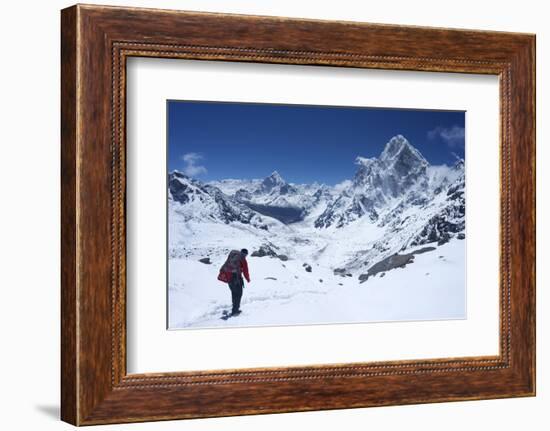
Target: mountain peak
[399, 147]
[276, 176]
[459, 164]
[273, 180]
[394, 146]
[177, 174]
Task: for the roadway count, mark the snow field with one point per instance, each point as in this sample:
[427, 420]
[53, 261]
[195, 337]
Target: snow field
[432, 287]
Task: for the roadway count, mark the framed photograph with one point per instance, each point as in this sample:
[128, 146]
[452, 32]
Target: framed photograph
[264, 214]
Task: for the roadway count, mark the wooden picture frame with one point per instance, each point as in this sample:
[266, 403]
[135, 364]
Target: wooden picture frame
[95, 43]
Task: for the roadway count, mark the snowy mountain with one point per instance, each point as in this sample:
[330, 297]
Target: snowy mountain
[198, 200]
[412, 202]
[274, 197]
[394, 207]
[377, 182]
[231, 186]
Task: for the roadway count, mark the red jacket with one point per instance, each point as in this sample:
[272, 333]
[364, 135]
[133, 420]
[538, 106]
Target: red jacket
[244, 269]
[225, 275]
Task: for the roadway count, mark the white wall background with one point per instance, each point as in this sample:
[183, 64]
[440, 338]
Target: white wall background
[29, 216]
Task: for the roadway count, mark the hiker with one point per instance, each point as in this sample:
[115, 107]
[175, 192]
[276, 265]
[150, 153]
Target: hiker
[231, 272]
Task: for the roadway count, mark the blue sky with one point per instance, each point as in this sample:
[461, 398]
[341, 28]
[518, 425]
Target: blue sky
[304, 143]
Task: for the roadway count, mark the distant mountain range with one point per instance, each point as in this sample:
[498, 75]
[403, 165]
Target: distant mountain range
[394, 201]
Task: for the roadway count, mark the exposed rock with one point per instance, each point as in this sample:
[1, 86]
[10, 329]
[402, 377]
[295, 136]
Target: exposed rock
[205, 260]
[444, 239]
[423, 250]
[461, 236]
[307, 267]
[283, 257]
[264, 250]
[270, 278]
[342, 272]
[243, 195]
[392, 262]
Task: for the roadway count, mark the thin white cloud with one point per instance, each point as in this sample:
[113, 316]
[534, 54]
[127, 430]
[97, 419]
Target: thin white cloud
[192, 166]
[342, 186]
[452, 136]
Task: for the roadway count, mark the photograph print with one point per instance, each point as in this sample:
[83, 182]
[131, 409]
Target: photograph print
[304, 214]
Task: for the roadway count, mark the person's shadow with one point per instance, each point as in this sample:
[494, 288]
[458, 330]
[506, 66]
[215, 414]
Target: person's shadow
[49, 410]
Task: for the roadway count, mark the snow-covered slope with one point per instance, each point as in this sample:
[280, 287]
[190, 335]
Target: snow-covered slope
[393, 204]
[283, 293]
[192, 200]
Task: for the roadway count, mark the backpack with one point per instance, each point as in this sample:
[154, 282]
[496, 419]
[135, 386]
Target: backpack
[232, 265]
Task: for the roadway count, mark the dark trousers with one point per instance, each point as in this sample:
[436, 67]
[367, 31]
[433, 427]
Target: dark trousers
[236, 285]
